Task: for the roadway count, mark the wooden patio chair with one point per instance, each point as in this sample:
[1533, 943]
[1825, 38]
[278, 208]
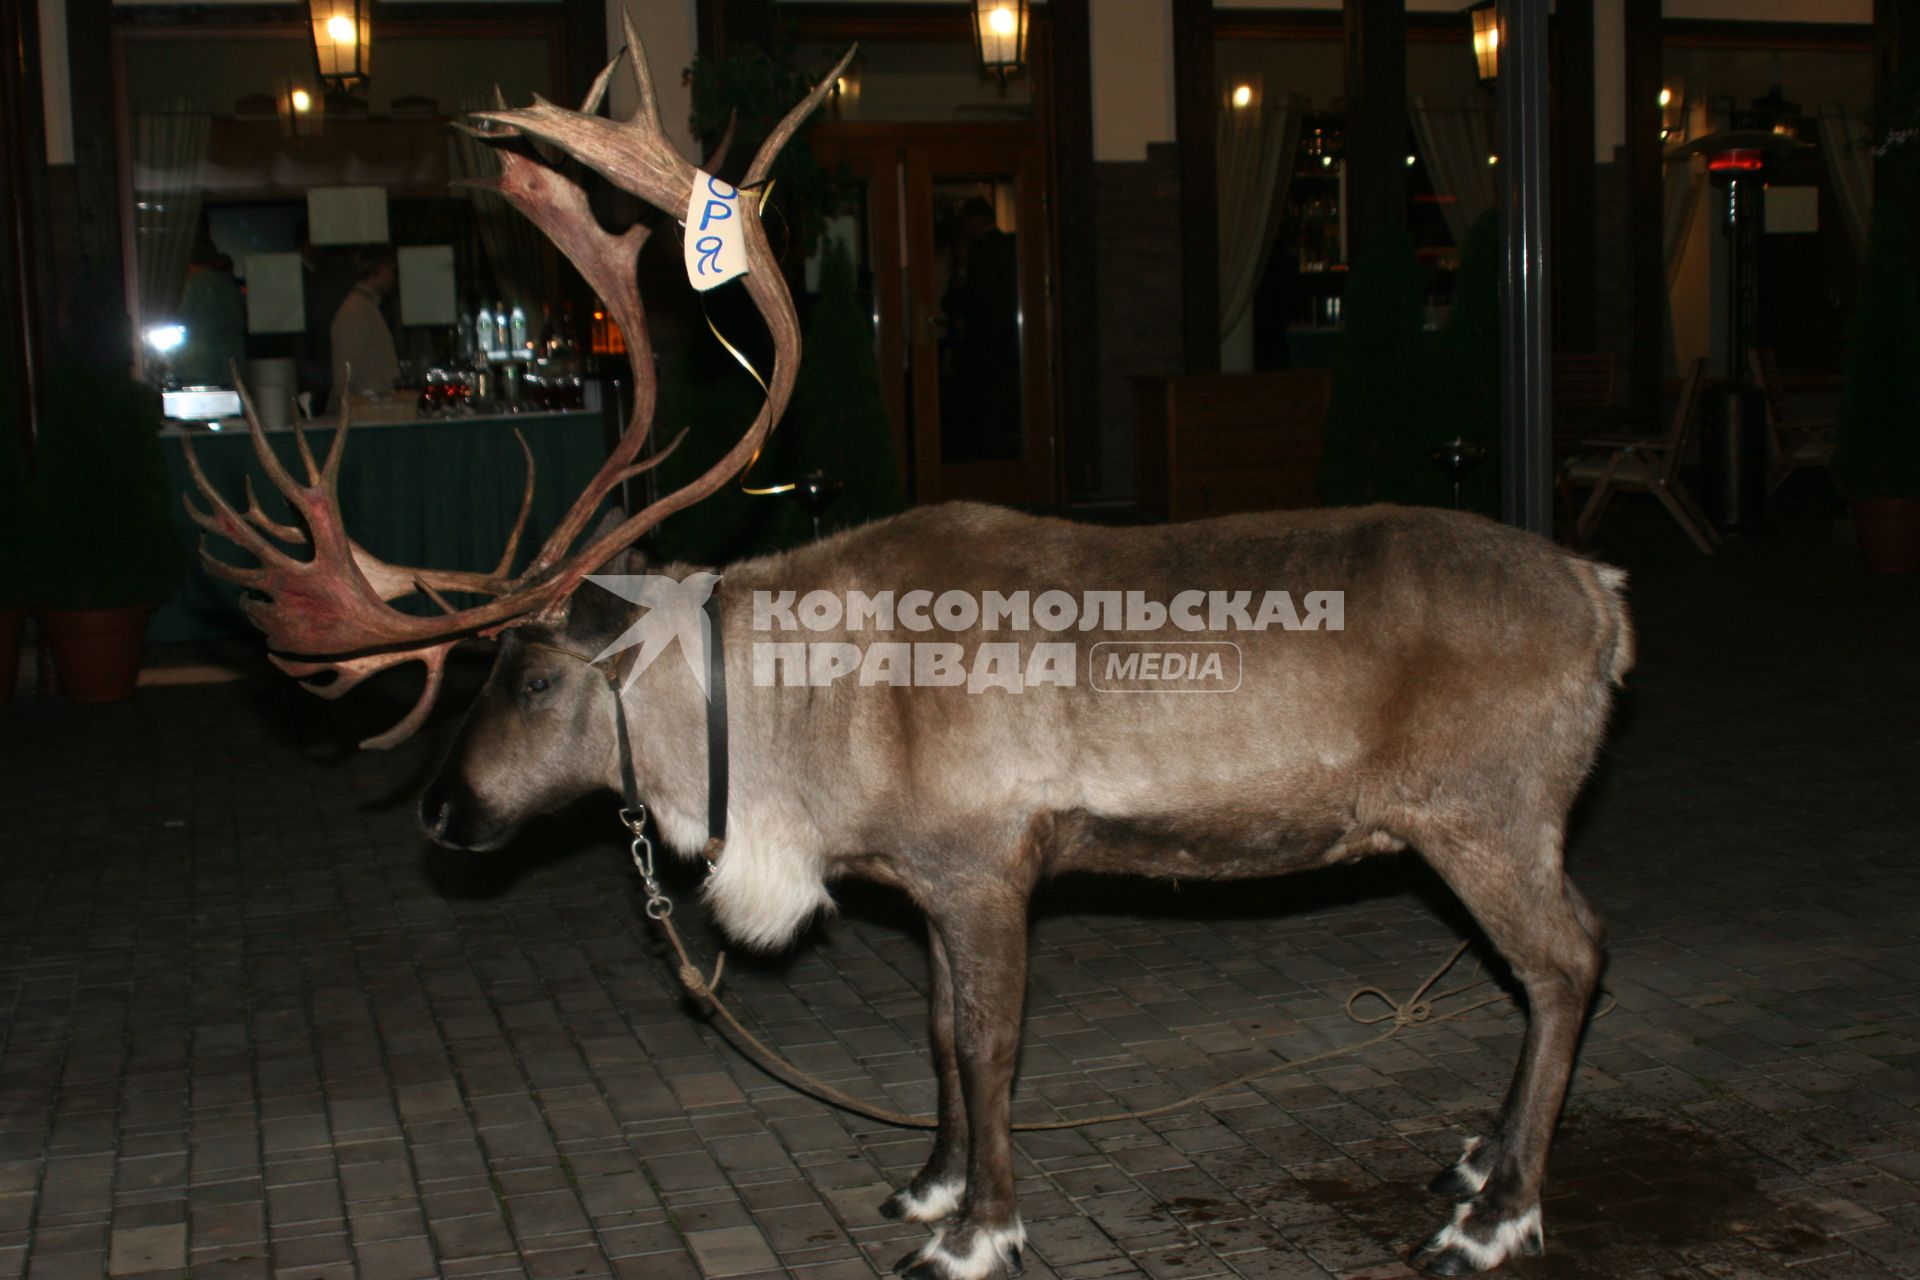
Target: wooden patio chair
[1792, 442]
[1584, 384]
[1611, 462]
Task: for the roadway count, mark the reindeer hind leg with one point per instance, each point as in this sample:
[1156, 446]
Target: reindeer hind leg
[1546, 932]
[1463, 1179]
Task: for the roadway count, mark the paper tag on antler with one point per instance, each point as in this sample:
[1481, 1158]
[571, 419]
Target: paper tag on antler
[716, 247]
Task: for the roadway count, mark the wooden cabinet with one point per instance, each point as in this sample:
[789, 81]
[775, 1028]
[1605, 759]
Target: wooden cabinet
[1214, 443]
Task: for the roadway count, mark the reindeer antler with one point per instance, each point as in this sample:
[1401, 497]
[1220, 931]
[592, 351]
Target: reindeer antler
[330, 613]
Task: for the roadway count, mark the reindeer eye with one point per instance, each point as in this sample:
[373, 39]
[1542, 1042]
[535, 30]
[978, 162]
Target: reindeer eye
[537, 685]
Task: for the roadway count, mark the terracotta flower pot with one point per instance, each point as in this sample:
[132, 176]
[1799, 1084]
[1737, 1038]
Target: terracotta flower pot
[96, 650]
[11, 620]
[1888, 530]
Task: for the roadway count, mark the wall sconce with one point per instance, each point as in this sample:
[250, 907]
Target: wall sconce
[1000, 37]
[301, 110]
[1244, 95]
[1673, 114]
[1486, 39]
[342, 40]
[845, 99]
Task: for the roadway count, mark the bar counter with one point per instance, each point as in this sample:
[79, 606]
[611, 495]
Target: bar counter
[435, 491]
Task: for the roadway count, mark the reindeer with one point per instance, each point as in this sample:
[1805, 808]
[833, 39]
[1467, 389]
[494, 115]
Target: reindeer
[1456, 714]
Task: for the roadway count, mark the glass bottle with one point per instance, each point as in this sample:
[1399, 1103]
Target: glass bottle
[517, 333]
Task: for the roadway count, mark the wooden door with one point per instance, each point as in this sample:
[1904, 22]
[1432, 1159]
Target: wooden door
[956, 222]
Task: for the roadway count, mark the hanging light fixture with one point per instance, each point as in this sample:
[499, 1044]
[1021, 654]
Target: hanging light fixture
[1486, 39]
[342, 39]
[1000, 37]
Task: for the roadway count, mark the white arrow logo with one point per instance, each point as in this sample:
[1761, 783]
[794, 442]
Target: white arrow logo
[672, 611]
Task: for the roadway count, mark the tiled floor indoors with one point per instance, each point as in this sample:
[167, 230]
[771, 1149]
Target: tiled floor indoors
[252, 1025]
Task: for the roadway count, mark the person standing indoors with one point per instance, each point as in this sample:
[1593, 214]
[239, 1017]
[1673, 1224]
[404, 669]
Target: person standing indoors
[362, 343]
[214, 314]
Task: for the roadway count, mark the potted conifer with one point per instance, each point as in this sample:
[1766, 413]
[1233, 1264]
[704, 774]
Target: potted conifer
[102, 548]
[1876, 457]
[13, 541]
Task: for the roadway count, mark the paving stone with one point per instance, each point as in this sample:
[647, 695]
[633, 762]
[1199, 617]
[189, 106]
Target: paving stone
[732, 1251]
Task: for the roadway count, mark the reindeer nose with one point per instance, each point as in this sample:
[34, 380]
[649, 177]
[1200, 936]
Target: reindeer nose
[435, 812]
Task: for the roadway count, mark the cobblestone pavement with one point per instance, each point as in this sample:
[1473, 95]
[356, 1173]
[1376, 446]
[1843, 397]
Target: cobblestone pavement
[254, 1026]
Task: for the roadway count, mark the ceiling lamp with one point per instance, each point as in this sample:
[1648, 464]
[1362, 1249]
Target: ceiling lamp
[1000, 36]
[342, 40]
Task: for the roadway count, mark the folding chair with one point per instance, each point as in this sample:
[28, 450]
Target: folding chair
[1611, 462]
[1794, 442]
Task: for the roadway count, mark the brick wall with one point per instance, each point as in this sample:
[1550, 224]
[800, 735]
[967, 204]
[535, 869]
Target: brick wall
[1137, 234]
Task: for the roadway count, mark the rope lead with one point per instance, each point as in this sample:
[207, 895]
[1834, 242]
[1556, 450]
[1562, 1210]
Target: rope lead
[1416, 1010]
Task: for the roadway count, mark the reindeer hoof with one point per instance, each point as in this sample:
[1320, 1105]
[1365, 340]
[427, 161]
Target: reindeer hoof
[968, 1254]
[1437, 1259]
[1452, 1183]
[1463, 1179]
[1467, 1245]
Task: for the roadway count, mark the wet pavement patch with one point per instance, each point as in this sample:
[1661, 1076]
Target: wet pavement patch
[1625, 1196]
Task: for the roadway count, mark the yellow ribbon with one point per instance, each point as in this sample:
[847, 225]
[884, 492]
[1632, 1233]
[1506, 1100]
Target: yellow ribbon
[765, 189]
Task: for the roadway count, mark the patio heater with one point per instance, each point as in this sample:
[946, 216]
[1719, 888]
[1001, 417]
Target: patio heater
[1733, 442]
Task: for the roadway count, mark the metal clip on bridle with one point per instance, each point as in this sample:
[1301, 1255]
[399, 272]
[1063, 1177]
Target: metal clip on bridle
[634, 819]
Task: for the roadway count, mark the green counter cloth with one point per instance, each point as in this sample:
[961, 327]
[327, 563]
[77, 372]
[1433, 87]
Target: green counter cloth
[439, 493]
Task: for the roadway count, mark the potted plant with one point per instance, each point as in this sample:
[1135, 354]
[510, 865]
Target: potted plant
[13, 541]
[1380, 431]
[1876, 456]
[102, 550]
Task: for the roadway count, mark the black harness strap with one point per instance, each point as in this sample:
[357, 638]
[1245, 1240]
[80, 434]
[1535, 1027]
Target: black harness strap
[717, 752]
[717, 749]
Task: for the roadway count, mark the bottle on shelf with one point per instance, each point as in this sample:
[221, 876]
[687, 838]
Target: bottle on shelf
[483, 336]
[498, 347]
[517, 333]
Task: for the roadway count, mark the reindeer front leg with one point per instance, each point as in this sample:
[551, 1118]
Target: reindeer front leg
[984, 928]
[935, 1191]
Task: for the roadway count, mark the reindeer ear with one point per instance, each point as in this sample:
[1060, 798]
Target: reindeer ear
[627, 559]
[609, 521]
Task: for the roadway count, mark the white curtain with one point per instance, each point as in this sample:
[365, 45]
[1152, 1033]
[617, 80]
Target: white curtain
[1456, 141]
[170, 164]
[1686, 182]
[514, 246]
[1256, 146]
[1843, 140]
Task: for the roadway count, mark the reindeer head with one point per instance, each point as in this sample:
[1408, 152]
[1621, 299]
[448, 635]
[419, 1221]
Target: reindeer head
[330, 614]
[541, 732]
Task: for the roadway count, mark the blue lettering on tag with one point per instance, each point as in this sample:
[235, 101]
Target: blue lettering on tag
[708, 247]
